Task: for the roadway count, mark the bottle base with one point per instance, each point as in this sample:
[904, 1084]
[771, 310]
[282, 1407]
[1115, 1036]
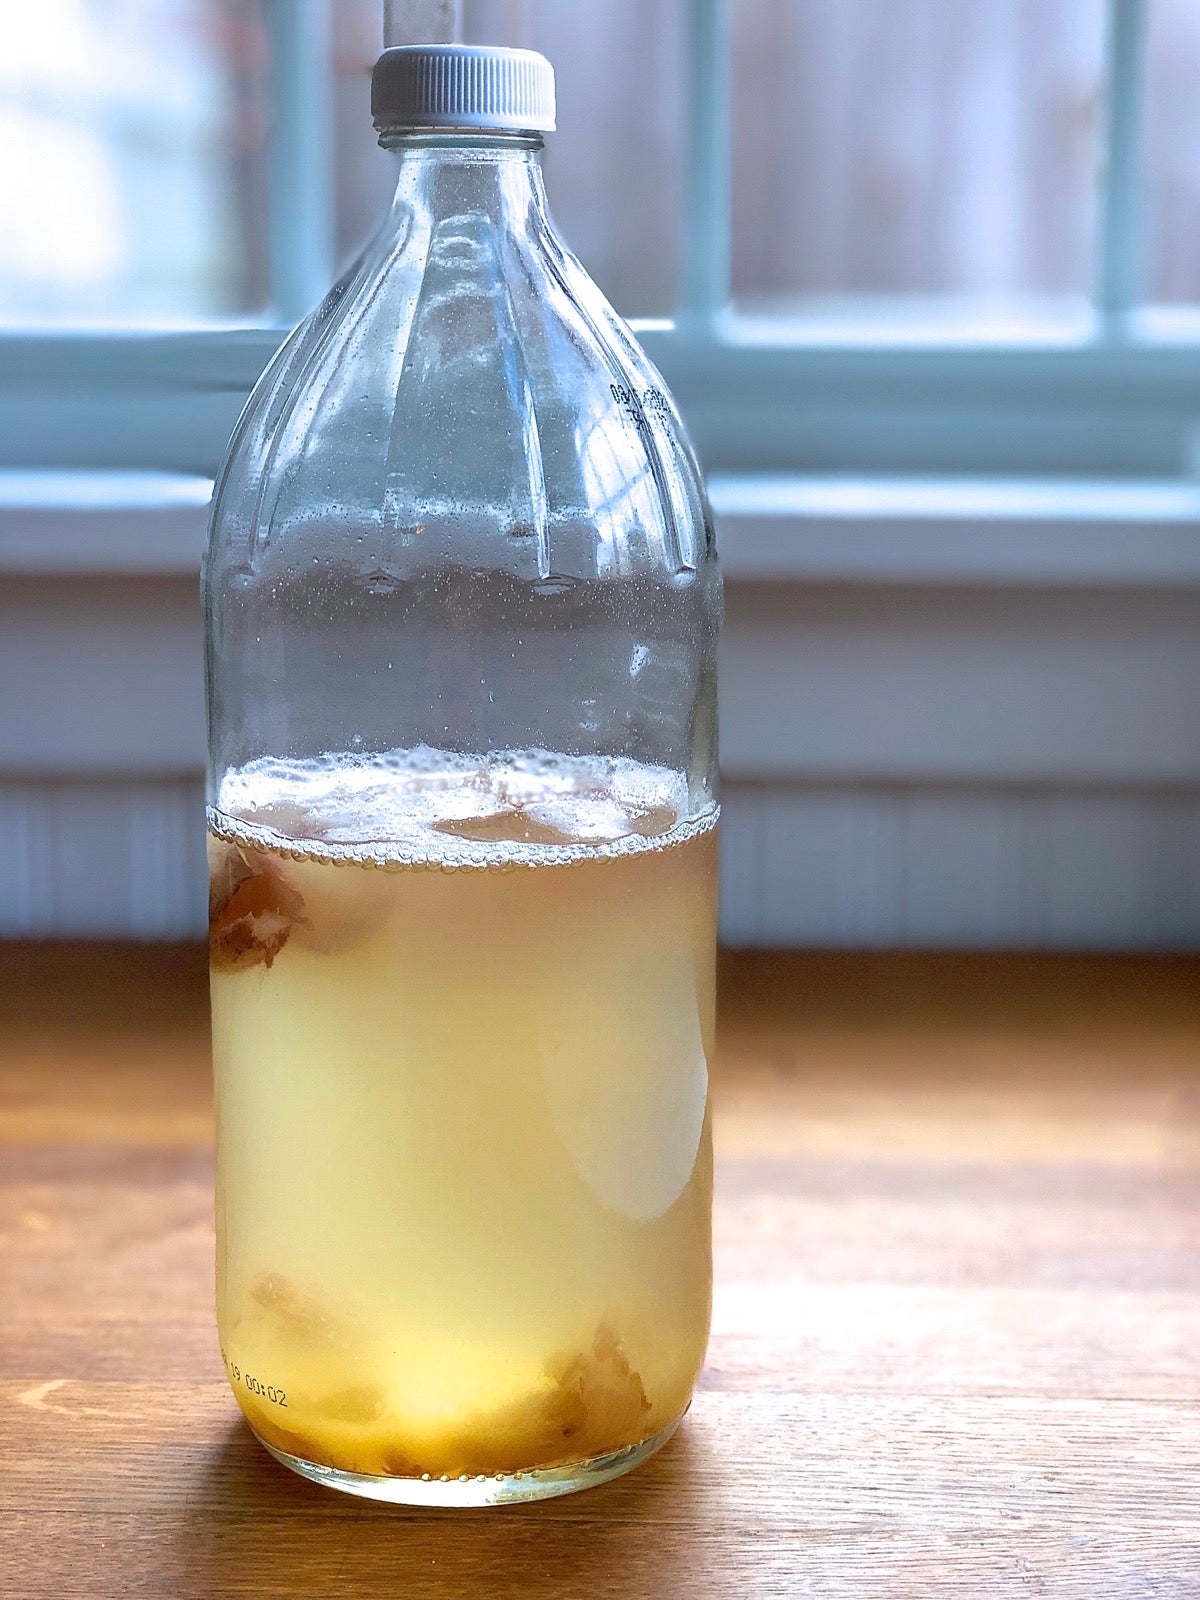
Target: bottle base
[504, 1489]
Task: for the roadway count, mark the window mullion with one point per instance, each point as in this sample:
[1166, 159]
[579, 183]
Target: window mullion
[422, 21]
[705, 243]
[300, 156]
[1119, 232]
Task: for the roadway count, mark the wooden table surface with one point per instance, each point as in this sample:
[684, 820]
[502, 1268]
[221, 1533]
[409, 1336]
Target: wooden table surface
[956, 1341]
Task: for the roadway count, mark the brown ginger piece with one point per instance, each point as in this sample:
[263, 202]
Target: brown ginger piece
[653, 821]
[251, 911]
[601, 1400]
[359, 1404]
[299, 1319]
[596, 1403]
[515, 825]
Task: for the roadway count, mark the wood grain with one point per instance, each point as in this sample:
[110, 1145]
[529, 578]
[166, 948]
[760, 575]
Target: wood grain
[956, 1342]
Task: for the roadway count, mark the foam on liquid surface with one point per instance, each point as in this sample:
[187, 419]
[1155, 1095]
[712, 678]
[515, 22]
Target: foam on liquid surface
[440, 808]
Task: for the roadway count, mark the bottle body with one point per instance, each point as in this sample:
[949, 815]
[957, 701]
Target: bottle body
[462, 609]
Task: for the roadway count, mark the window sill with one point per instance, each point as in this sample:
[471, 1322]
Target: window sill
[807, 529]
[105, 523]
[975, 531]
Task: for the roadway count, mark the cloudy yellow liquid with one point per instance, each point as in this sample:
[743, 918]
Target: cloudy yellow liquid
[461, 1021]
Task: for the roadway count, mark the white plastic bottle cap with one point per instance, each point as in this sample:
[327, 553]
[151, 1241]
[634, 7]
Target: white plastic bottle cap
[462, 86]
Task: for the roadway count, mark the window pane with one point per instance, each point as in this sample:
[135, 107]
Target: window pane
[131, 160]
[364, 175]
[1172, 151]
[613, 168]
[922, 147]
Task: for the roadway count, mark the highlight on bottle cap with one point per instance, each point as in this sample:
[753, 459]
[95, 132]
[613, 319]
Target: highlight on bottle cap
[463, 86]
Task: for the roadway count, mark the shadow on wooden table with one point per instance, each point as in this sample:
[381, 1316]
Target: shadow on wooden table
[253, 1528]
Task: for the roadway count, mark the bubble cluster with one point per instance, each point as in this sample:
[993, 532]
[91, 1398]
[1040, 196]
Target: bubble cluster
[445, 810]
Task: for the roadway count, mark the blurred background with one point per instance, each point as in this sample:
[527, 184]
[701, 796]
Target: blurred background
[924, 276]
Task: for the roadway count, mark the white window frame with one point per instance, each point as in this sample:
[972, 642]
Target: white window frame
[1116, 397]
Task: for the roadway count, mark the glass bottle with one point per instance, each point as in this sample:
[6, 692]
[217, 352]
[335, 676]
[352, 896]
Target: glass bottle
[462, 607]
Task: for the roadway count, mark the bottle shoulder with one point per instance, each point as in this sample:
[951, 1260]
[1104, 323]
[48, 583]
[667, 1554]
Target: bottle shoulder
[460, 386]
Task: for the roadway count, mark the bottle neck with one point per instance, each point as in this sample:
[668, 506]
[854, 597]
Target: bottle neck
[447, 174]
